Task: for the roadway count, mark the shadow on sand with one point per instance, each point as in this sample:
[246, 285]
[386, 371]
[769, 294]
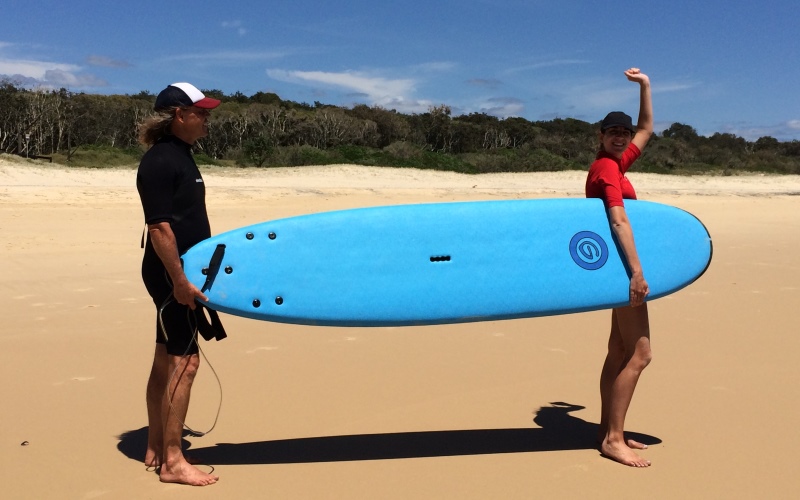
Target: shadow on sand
[558, 430]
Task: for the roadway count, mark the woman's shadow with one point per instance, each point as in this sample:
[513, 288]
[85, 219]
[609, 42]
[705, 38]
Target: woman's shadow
[558, 430]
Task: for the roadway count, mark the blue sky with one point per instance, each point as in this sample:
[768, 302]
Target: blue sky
[719, 66]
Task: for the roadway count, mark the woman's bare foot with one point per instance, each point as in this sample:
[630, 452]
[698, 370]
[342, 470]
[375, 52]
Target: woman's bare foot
[636, 445]
[185, 473]
[633, 444]
[622, 453]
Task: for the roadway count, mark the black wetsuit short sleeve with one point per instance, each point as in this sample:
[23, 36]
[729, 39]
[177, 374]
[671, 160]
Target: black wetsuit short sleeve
[172, 190]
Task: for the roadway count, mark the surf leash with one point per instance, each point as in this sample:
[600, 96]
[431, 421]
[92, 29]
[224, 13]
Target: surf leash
[192, 432]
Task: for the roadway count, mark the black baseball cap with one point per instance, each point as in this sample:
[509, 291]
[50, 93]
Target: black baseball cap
[617, 119]
[183, 95]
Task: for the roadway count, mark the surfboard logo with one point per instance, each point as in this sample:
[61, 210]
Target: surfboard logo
[588, 250]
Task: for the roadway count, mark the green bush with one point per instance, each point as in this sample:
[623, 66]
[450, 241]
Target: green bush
[92, 156]
[520, 160]
[403, 150]
[204, 159]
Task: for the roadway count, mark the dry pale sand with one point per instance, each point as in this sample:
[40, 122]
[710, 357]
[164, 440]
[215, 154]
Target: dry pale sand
[485, 410]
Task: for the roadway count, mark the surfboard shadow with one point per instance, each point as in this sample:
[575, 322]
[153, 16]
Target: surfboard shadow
[558, 430]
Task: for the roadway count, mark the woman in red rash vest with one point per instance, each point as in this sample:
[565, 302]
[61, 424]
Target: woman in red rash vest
[629, 343]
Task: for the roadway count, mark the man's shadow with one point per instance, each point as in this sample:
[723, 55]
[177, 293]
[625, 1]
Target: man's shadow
[558, 430]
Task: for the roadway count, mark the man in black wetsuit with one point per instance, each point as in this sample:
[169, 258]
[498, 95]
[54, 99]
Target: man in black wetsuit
[173, 198]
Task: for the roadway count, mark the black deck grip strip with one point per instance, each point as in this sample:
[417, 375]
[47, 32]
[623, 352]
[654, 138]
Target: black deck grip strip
[213, 266]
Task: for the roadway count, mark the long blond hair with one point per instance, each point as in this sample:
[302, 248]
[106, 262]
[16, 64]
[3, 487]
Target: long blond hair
[156, 126]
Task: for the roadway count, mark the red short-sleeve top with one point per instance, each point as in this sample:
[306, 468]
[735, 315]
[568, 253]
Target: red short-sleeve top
[606, 179]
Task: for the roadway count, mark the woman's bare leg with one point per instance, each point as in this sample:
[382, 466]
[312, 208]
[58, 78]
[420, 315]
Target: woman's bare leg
[629, 354]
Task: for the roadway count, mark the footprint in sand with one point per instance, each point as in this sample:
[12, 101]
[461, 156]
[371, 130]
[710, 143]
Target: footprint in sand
[345, 339]
[83, 289]
[75, 379]
[265, 348]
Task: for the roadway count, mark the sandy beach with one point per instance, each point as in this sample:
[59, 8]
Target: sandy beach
[492, 410]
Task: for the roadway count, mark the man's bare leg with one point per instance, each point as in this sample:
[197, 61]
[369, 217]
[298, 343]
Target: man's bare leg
[633, 330]
[156, 385]
[175, 468]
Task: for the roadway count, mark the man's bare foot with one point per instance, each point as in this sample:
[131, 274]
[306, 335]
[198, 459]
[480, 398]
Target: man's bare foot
[622, 453]
[185, 473]
[152, 460]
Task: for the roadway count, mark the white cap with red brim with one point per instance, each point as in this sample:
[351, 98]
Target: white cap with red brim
[183, 94]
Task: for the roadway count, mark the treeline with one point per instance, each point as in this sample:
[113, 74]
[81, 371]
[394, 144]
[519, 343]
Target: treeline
[264, 130]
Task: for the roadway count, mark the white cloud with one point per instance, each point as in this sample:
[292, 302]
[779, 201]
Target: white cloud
[490, 83]
[591, 96]
[61, 78]
[547, 64]
[386, 92]
[33, 69]
[106, 62]
[235, 25]
[439, 67]
[48, 73]
[786, 131]
[503, 107]
[228, 56]
[673, 87]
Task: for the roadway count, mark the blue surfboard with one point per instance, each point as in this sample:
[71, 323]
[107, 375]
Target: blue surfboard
[444, 262]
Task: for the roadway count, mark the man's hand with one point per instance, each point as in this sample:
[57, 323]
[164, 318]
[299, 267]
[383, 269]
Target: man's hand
[186, 293]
